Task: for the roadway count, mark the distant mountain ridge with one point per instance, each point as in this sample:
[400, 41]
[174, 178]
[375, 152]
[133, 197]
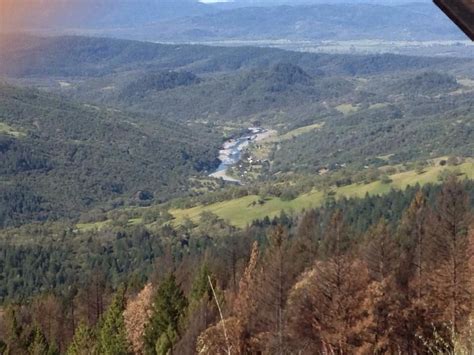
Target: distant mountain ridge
[305, 22]
[191, 20]
[75, 56]
[312, 2]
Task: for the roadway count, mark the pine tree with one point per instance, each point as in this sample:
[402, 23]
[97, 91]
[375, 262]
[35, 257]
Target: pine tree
[412, 323]
[201, 285]
[451, 276]
[275, 280]
[39, 345]
[413, 237]
[18, 337]
[84, 342]
[307, 240]
[112, 338]
[169, 308]
[326, 305]
[241, 327]
[202, 310]
[326, 310]
[244, 303]
[336, 237]
[380, 252]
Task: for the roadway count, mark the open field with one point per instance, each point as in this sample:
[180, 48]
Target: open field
[262, 150]
[242, 211]
[86, 227]
[347, 108]
[299, 131]
[9, 130]
[451, 48]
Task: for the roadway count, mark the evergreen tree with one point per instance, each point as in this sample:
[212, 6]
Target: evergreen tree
[168, 310]
[325, 309]
[3, 347]
[39, 345]
[201, 285]
[336, 238]
[413, 238]
[112, 333]
[17, 337]
[308, 239]
[83, 342]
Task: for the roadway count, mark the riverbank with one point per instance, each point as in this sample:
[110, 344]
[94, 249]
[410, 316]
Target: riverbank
[232, 149]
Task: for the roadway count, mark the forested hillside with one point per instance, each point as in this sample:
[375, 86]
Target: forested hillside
[165, 109]
[60, 157]
[413, 129]
[382, 274]
[28, 56]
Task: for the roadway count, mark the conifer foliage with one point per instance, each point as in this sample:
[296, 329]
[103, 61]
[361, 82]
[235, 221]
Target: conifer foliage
[112, 338]
[309, 284]
[168, 310]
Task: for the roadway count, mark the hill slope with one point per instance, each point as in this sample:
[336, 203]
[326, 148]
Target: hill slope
[28, 56]
[59, 157]
[168, 106]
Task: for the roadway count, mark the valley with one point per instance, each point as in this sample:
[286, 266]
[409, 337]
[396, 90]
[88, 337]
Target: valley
[327, 118]
[231, 152]
[302, 176]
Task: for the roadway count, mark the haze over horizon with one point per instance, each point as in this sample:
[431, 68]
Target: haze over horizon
[18, 14]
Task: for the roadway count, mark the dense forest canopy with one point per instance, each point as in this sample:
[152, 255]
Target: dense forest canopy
[68, 156]
[75, 56]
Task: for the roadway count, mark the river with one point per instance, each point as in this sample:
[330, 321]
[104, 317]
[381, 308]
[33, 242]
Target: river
[231, 152]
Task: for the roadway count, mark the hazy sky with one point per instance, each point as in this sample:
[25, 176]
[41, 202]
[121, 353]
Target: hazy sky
[318, 1]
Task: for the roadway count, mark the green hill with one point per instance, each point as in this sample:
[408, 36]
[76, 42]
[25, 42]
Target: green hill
[153, 115]
[242, 211]
[58, 157]
[70, 56]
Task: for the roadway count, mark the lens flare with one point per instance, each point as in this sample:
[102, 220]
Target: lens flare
[30, 15]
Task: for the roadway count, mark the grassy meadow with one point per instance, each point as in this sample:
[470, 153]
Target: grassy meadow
[242, 211]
